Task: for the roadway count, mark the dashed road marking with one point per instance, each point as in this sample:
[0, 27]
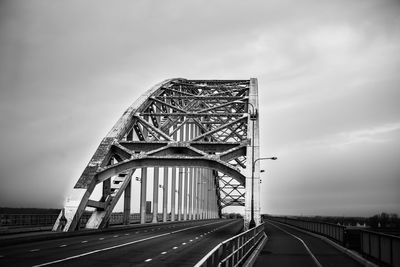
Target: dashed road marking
[197, 237]
[174, 247]
[164, 252]
[191, 240]
[62, 246]
[136, 232]
[183, 243]
[84, 241]
[147, 260]
[34, 250]
[116, 236]
[126, 234]
[101, 238]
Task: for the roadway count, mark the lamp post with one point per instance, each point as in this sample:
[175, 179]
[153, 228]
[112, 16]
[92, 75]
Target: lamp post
[253, 118]
[252, 222]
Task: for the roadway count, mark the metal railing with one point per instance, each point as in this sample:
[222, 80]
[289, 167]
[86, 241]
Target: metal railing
[332, 231]
[27, 219]
[234, 251]
[381, 247]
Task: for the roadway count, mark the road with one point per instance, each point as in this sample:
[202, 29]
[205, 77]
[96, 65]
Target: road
[182, 244]
[287, 246]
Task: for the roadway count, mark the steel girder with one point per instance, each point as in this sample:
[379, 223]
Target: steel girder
[177, 123]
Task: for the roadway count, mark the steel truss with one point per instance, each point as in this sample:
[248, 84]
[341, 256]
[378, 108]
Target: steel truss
[200, 126]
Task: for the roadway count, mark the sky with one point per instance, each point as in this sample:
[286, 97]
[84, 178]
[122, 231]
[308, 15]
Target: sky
[328, 76]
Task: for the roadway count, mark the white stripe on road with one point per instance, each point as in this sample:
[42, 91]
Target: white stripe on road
[118, 246]
[301, 240]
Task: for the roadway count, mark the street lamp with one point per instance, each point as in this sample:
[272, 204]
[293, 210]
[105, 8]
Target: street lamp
[252, 222]
[253, 118]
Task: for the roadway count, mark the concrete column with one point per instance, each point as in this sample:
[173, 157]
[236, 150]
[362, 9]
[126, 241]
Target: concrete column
[180, 194]
[173, 194]
[251, 155]
[143, 185]
[190, 194]
[191, 178]
[165, 195]
[173, 186]
[195, 196]
[127, 203]
[155, 194]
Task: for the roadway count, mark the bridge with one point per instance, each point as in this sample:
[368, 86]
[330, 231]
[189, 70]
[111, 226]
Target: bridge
[202, 138]
[199, 136]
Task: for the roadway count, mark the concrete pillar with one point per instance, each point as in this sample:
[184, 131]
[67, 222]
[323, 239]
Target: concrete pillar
[191, 180]
[180, 194]
[190, 194]
[143, 185]
[127, 203]
[155, 195]
[165, 195]
[173, 194]
[251, 155]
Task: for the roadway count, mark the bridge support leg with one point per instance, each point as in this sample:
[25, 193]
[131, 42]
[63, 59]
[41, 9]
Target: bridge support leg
[173, 194]
[165, 195]
[143, 186]
[155, 195]
[253, 153]
[127, 203]
[180, 194]
[185, 194]
[190, 194]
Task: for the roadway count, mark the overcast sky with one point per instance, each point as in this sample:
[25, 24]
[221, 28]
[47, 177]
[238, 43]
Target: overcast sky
[328, 73]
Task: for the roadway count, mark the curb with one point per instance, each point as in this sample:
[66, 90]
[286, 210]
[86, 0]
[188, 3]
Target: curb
[352, 254]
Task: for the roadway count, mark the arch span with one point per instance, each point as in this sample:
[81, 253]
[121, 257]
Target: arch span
[201, 130]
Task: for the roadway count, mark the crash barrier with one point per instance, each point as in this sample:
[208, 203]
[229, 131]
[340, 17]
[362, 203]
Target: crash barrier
[28, 220]
[235, 250]
[381, 248]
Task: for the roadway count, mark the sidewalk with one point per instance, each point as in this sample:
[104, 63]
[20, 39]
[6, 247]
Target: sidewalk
[282, 249]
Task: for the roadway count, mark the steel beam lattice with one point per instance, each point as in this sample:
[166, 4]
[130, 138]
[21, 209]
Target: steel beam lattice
[196, 132]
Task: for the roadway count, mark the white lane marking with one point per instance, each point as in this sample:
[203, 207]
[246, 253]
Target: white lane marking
[99, 250]
[136, 232]
[190, 240]
[101, 238]
[301, 240]
[116, 236]
[126, 234]
[147, 260]
[34, 250]
[62, 246]
[164, 252]
[197, 237]
[183, 243]
[84, 241]
[118, 246]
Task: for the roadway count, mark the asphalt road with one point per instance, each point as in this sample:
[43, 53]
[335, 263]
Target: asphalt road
[289, 247]
[182, 244]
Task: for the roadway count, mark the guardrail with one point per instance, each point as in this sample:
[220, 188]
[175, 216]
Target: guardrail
[381, 247]
[235, 250]
[24, 220]
[332, 231]
[27, 219]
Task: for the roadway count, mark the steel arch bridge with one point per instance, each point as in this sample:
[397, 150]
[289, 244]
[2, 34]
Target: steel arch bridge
[199, 135]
